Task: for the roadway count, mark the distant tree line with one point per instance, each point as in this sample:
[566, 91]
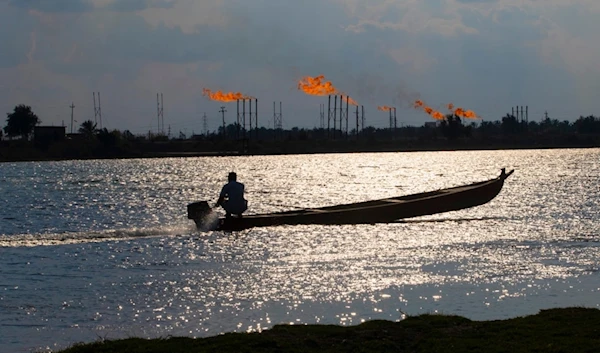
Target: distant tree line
[452, 127]
[450, 132]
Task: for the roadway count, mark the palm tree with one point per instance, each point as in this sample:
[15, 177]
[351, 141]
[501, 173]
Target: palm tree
[88, 128]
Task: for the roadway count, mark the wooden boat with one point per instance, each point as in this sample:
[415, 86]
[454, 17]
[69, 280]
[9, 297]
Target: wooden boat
[375, 211]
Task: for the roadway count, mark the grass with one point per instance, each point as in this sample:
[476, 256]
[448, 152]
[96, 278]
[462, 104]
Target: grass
[555, 330]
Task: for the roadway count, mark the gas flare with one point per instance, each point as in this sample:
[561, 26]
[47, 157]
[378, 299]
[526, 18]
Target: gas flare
[432, 112]
[317, 86]
[224, 97]
[384, 108]
[469, 114]
[439, 116]
[461, 112]
[350, 100]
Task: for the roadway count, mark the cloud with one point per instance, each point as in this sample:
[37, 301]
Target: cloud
[476, 1]
[31, 52]
[408, 16]
[16, 39]
[138, 5]
[190, 16]
[486, 56]
[53, 6]
[82, 6]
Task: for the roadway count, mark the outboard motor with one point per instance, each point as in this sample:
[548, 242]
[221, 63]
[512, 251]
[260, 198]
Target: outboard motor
[198, 211]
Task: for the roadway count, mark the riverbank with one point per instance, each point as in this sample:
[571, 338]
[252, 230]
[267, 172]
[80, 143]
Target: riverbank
[555, 330]
[19, 151]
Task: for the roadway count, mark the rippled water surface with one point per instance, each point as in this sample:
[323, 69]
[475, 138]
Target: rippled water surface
[103, 249]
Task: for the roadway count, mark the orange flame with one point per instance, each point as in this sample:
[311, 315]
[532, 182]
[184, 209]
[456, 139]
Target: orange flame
[470, 114]
[224, 97]
[461, 112]
[350, 100]
[317, 86]
[384, 108]
[433, 113]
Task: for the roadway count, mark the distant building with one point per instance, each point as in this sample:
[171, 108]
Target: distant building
[75, 136]
[46, 134]
[432, 124]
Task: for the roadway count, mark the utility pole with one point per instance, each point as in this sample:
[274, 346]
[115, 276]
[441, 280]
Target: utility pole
[334, 116]
[362, 107]
[160, 113]
[244, 119]
[97, 110]
[222, 111]
[280, 118]
[341, 114]
[347, 113]
[522, 114]
[328, 116]
[395, 124]
[72, 106]
[238, 126]
[250, 116]
[277, 120]
[357, 122]
[256, 117]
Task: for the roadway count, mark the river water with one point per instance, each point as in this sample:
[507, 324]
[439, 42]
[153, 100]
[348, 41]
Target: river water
[102, 249]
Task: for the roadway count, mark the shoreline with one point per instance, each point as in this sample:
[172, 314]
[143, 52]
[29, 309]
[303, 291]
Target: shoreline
[573, 329]
[41, 157]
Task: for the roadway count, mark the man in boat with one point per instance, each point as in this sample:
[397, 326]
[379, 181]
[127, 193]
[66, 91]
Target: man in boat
[232, 197]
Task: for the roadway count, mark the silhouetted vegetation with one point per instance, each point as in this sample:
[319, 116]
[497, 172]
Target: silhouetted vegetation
[451, 133]
[556, 330]
[88, 129]
[21, 122]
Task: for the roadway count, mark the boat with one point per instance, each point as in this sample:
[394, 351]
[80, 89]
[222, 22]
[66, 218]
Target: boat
[367, 212]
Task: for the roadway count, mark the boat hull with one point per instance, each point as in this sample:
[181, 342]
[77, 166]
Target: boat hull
[376, 211]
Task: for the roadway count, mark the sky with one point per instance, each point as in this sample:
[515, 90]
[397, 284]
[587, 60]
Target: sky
[484, 55]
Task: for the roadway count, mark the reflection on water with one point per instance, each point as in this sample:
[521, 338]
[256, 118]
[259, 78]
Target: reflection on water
[103, 248]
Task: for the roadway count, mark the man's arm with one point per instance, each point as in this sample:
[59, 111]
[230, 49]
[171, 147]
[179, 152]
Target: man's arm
[222, 196]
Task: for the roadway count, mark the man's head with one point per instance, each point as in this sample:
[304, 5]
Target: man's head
[232, 176]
